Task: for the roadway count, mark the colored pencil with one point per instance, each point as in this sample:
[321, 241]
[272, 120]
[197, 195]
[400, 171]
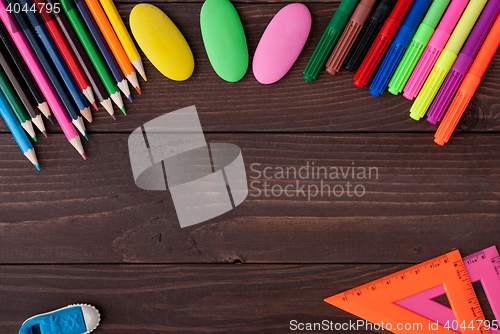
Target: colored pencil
[16, 105]
[40, 78]
[18, 133]
[99, 90]
[34, 20]
[123, 35]
[66, 52]
[27, 77]
[113, 43]
[87, 19]
[91, 50]
[47, 66]
[21, 91]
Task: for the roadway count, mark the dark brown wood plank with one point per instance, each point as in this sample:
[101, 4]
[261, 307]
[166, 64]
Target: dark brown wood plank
[329, 104]
[427, 200]
[186, 298]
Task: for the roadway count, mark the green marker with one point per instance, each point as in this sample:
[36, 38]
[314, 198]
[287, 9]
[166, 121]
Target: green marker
[417, 46]
[329, 39]
[16, 105]
[92, 52]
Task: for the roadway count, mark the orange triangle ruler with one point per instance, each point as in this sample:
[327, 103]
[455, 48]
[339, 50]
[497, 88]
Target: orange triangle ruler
[376, 301]
[482, 266]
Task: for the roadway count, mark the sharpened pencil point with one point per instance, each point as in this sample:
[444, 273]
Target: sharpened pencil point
[94, 104]
[85, 135]
[34, 139]
[130, 98]
[114, 118]
[51, 120]
[144, 77]
[123, 111]
[83, 156]
[37, 167]
[138, 90]
[44, 133]
[87, 114]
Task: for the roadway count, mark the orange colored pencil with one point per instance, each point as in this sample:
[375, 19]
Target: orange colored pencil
[113, 43]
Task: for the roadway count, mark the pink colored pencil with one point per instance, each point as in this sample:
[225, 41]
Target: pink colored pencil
[40, 78]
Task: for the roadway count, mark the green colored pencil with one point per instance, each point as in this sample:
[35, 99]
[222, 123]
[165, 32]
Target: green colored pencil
[91, 50]
[16, 104]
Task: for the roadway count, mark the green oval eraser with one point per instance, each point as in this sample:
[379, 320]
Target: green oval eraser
[224, 39]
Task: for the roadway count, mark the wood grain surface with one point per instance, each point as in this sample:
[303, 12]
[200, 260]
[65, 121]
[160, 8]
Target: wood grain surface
[82, 232]
[329, 104]
[187, 298]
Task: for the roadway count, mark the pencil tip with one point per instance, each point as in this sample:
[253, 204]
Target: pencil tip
[37, 167]
[50, 119]
[34, 139]
[83, 156]
[95, 105]
[130, 98]
[123, 111]
[44, 133]
[85, 134]
[138, 90]
[114, 118]
[144, 77]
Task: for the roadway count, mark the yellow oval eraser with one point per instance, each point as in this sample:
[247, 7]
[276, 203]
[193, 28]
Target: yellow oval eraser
[162, 42]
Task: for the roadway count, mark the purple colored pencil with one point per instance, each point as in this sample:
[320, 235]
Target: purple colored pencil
[463, 62]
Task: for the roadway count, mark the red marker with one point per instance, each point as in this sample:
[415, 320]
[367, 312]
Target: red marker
[382, 42]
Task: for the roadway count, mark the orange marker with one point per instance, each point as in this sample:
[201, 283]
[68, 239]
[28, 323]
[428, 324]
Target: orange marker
[469, 85]
[375, 301]
[113, 43]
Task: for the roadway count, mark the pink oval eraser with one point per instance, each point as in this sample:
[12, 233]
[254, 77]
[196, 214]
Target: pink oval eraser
[281, 43]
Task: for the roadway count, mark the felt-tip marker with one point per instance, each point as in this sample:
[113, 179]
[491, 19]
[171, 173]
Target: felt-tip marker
[434, 48]
[329, 39]
[417, 46]
[469, 85]
[446, 59]
[349, 35]
[382, 42]
[367, 35]
[398, 46]
[463, 62]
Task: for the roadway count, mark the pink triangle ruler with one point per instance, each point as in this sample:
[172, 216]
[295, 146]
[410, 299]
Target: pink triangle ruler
[482, 266]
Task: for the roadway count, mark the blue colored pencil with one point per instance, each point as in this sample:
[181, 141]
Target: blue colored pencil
[17, 131]
[57, 59]
[48, 68]
[103, 48]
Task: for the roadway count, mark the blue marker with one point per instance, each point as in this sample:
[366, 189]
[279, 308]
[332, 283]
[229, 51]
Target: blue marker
[398, 46]
[17, 131]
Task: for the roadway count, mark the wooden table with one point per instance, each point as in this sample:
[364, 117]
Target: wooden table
[81, 231]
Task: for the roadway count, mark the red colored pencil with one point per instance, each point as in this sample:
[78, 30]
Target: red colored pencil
[68, 55]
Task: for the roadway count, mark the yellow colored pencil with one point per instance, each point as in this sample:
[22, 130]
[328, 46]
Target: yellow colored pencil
[123, 36]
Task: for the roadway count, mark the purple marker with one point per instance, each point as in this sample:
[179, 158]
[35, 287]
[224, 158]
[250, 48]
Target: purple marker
[463, 62]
